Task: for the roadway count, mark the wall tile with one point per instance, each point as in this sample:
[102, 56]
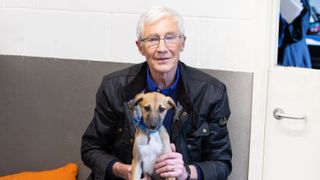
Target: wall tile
[190, 54]
[55, 34]
[119, 6]
[235, 9]
[123, 37]
[11, 32]
[20, 3]
[54, 4]
[227, 44]
[83, 36]
[88, 5]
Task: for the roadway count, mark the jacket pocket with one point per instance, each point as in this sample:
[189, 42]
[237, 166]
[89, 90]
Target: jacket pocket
[194, 141]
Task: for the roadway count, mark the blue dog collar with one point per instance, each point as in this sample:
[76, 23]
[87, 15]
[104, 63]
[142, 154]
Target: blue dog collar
[140, 124]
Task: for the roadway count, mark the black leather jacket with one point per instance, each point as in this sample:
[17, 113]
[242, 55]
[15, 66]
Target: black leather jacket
[199, 129]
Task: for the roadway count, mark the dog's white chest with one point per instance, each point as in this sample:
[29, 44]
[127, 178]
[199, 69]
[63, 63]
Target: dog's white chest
[150, 151]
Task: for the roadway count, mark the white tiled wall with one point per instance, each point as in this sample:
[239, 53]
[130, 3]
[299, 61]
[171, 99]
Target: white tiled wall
[226, 42]
[220, 34]
[55, 34]
[20, 3]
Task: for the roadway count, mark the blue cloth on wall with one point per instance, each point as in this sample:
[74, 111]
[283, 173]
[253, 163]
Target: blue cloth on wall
[292, 47]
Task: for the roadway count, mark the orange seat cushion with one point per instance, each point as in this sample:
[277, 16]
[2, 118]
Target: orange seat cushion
[67, 172]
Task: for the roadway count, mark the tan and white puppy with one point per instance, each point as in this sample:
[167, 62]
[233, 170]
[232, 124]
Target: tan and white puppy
[151, 137]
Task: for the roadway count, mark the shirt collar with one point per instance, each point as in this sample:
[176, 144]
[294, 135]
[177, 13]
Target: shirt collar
[151, 85]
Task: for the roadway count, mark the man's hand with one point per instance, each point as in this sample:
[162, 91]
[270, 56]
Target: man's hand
[122, 170]
[171, 165]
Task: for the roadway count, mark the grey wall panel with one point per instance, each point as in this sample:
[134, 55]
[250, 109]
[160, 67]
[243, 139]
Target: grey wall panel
[46, 104]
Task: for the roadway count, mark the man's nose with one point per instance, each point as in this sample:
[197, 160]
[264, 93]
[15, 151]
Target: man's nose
[162, 46]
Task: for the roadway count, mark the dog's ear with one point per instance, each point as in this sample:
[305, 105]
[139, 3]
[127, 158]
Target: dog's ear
[172, 103]
[138, 98]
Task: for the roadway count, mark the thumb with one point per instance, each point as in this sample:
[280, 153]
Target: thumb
[173, 147]
[129, 172]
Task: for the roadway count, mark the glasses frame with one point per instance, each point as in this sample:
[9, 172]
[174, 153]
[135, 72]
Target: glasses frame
[154, 41]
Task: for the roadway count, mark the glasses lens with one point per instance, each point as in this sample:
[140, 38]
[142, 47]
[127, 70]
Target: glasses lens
[171, 39]
[151, 41]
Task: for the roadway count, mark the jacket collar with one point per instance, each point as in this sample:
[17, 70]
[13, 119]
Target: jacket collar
[138, 84]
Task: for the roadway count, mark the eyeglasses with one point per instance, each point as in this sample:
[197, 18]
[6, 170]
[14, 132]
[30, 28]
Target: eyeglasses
[169, 39]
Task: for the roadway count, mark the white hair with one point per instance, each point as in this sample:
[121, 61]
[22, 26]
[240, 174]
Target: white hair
[155, 14]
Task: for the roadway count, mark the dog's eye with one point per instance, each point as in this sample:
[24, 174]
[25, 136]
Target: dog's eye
[147, 108]
[161, 109]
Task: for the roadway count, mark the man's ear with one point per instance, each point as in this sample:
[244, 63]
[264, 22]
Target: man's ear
[183, 44]
[139, 45]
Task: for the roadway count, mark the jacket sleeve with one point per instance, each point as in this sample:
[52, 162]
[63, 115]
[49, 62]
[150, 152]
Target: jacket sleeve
[216, 147]
[99, 136]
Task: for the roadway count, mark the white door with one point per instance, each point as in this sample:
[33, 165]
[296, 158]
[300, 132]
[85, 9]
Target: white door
[292, 143]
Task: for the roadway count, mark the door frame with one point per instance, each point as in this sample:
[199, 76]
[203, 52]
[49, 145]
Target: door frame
[266, 40]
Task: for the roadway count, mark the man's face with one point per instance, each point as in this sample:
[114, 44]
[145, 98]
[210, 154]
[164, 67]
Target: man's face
[164, 56]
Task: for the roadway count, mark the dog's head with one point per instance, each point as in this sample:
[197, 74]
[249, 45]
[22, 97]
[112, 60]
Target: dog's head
[154, 107]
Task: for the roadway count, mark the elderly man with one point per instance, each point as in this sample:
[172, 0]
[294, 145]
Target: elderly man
[198, 132]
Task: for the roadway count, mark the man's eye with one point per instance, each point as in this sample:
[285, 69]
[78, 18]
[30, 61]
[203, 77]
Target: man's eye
[153, 39]
[170, 37]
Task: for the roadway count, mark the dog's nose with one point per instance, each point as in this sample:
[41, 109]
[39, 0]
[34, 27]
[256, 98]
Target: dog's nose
[153, 126]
